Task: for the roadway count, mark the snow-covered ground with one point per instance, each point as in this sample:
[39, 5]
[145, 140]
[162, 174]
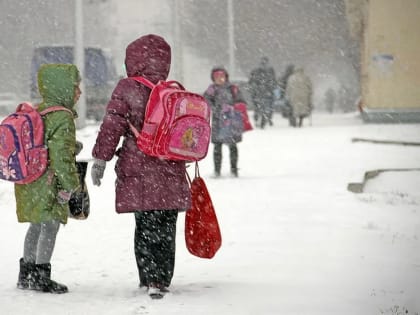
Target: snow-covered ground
[295, 241]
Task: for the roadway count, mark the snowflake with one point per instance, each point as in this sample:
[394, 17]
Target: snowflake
[8, 172]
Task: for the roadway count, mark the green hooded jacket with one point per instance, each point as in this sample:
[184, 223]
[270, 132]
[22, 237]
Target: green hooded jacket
[37, 202]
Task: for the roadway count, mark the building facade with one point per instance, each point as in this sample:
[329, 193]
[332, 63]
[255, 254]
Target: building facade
[390, 64]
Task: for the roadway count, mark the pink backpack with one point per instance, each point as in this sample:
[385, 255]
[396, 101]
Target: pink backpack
[176, 123]
[23, 155]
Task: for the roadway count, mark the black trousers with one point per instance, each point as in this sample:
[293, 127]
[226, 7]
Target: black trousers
[263, 109]
[154, 246]
[217, 155]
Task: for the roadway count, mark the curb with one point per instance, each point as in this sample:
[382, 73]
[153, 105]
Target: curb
[385, 141]
[358, 188]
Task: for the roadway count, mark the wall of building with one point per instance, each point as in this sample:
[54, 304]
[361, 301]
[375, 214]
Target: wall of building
[391, 56]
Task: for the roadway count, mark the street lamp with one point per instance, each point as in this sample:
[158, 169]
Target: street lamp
[79, 60]
[231, 40]
[177, 35]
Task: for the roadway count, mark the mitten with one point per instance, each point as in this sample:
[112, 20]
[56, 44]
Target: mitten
[97, 172]
[79, 147]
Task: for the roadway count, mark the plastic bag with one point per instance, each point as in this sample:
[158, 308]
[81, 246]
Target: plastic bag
[79, 203]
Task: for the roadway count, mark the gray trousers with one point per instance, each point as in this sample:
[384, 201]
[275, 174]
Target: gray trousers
[40, 242]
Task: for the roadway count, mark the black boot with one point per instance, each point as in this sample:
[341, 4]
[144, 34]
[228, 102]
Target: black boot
[43, 280]
[217, 156]
[26, 272]
[234, 172]
[233, 160]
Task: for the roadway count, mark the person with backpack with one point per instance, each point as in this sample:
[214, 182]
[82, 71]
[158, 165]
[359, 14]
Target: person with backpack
[226, 128]
[44, 202]
[152, 188]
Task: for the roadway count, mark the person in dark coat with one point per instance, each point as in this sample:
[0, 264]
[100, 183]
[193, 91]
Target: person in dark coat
[154, 189]
[262, 83]
[287, 110]
[222, 95]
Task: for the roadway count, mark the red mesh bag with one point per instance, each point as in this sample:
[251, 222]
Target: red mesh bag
[202, 232]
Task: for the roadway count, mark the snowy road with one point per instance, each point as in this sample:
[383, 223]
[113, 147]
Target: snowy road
[295, 241]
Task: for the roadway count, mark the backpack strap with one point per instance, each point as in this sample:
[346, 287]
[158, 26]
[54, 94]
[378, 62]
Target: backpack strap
[133, 129]
[144, 81]
[54, 109]
[234, 90]
[150, 85]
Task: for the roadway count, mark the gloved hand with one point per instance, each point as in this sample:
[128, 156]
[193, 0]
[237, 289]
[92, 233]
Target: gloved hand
[63, 197]
[79, 147]
[97, 172]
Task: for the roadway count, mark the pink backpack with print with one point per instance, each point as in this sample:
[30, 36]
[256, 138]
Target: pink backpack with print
[23, 155]
[176, 123]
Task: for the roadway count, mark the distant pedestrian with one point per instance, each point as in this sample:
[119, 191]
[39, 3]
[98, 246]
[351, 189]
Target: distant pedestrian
[330, 100]
[44, 202]
[222, 95]
[154, 189]
[287, 73]
[299, 94]
[262, 82]
[286, 109]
